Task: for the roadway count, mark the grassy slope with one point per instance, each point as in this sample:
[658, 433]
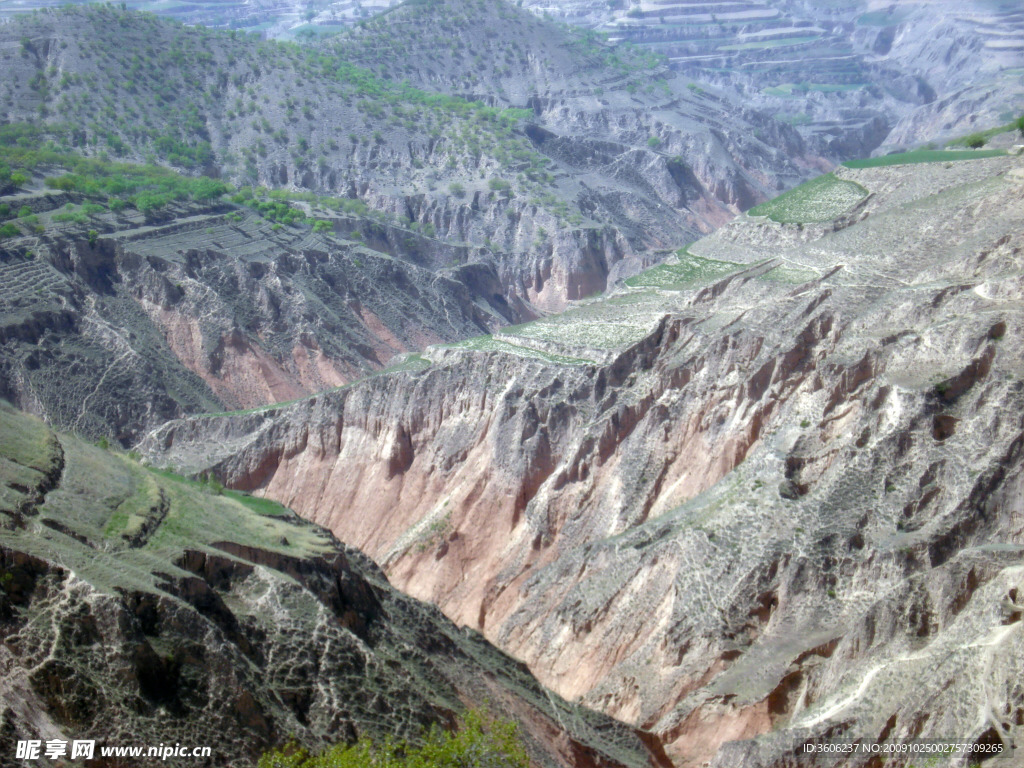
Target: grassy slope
[820, 199]
[924, 156]
[114, 521]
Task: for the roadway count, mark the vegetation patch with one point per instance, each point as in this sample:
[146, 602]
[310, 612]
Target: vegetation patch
[820, 199]
[924, 156]
[478, 742]
[688, 270]
[490, 344]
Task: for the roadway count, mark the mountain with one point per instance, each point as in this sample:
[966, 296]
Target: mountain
[853, 76]
[197, 221]
[656, 165]
[768, 491]
[140, 608]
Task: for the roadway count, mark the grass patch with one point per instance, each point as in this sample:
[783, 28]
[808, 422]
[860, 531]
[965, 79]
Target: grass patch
[491, 344]
[25, 440]
[687, 271]
[924, 156]
[261, 506]
[820, 199]
[790, 275]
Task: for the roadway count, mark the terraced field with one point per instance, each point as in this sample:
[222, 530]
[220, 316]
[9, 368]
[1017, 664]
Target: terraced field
[762, 246]
[924, 156]
[821, 199]
[685, 271]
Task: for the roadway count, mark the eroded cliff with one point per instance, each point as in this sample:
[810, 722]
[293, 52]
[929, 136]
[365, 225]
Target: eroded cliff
[769, 490]
[138, 608]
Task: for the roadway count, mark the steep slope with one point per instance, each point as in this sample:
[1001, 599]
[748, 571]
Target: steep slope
[137, 608]
[770, 489]
[150, 305]
[557, 215]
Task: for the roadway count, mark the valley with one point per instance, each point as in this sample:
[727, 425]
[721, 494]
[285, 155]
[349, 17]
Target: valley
[822, 371]
[651, 382]
[138, 606]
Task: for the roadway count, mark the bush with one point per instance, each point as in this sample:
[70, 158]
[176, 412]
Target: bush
[456, 189]
[654, 142]
[478, 743]
[975, 141]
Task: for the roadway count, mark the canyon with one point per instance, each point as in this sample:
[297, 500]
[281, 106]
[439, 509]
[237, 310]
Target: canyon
[767, 490]
[140, 608]
[471, 359]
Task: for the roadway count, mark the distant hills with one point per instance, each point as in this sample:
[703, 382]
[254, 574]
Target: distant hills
[271, 219]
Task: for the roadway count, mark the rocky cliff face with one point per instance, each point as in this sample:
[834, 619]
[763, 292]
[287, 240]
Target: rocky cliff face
[203, 307]
[140, 609]
[766, 492]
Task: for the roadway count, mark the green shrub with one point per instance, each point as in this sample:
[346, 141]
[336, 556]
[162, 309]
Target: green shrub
[654, 142]
[478, 743]
[975, 141]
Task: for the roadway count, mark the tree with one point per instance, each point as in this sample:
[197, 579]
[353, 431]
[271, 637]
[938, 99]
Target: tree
[975, 141]
[1019, 124]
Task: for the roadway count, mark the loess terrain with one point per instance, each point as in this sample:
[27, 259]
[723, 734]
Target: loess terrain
[767, 491]
[138, 607]
[323, 214]
[695, 444]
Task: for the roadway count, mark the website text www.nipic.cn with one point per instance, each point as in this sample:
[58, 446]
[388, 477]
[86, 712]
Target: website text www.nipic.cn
[86, 749]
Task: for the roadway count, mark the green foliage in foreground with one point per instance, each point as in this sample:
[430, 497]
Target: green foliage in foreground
[478, 743]
[923, 156]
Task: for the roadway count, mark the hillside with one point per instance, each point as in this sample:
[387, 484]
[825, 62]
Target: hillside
[667, 164]
[139, 608]
[158, 294]
[852, 76]
[769, 490]
[849, 75]
[198, 221]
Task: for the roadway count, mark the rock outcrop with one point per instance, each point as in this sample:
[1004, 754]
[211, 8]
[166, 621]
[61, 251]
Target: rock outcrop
[769, 491]
[139, 609]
